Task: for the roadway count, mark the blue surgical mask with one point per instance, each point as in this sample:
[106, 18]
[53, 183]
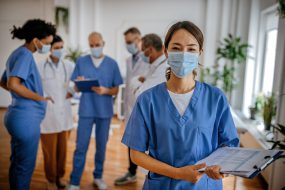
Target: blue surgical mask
[58, 53]
[45, 48]
[132, 48]
[145, 58]
[183, 63]
[96, 52]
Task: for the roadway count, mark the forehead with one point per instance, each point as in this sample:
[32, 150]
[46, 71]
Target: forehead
[183, 37]
[95, 39]
[131, 36]
[56, 44]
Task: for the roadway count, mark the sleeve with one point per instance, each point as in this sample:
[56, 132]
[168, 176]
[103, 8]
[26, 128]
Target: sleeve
[21, 67]
[41, 69]
[117, 80]
[76, 71]
[136, 135]
[227, 132]
[4, 76]
[156, 78]
[70, 83]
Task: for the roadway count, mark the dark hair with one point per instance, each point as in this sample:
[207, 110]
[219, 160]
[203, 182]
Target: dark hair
[34, 28]
[152, 40]
[192, 29]
[186, 25]
[56, 38]
[132, 30]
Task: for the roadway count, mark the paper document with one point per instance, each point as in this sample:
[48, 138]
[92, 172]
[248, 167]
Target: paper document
[241, 161]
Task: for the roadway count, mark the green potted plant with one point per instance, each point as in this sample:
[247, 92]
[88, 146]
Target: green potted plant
[269, 110]
[232, 51]
[258, 103]
[281, 8]
[73, 54]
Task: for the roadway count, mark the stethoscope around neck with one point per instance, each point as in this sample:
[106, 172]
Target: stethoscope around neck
[53, 70]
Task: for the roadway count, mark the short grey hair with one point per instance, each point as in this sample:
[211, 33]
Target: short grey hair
[152, 40]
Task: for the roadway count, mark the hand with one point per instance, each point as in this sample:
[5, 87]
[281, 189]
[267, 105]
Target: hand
[141, 79]
[214, 172]
[100, 90]
[68, 95]
[191, 173]
[75, 88]
[80, 78]
[48, 98]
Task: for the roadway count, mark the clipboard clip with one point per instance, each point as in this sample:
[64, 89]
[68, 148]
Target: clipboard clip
[265, 162]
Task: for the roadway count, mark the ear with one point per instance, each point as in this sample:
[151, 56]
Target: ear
[165, 52]
[201, 51]
[103, 43]
[35, 42]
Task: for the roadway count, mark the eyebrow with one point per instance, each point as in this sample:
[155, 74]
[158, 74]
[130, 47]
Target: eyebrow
[178, 44]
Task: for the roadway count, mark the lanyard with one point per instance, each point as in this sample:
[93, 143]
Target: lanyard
[53, 70]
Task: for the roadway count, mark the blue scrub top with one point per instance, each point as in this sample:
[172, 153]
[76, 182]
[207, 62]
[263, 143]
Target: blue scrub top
[21, 64]
[156, 125]
[108, 74]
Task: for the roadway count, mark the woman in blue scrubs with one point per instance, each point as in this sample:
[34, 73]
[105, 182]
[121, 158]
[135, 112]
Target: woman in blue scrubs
[181, 121]
[24, 115]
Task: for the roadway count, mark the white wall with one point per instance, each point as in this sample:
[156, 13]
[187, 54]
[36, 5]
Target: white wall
[16, 12]
[216, 18]
[113, 17]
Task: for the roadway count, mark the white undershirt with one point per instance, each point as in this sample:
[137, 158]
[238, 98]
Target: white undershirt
[97, 61]
[181, 101]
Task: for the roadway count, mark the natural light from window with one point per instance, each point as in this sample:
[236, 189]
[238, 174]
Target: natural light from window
[269, 61]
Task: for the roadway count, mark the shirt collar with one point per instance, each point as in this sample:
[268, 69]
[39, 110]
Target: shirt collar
[158, 61]
[52, 63]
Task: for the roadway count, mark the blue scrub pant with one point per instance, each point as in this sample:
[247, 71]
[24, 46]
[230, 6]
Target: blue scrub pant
[83, 138]
[25, 135]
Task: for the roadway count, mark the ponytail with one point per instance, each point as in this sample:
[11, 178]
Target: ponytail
[18, 33]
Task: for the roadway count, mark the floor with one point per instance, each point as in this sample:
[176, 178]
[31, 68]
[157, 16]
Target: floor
[116, 164]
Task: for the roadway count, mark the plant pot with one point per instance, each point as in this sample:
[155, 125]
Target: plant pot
[252, 112]
[267, 125]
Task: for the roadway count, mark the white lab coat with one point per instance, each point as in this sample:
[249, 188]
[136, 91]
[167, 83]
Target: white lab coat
[155, 76]
[56, 84]
[140, 69]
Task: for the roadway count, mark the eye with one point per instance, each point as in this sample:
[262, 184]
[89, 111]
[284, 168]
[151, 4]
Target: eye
[192, 50]
[175, 48]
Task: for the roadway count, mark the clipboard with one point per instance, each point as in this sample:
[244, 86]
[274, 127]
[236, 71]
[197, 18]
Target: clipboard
[243, 162]
[86, 85]
[259, 167]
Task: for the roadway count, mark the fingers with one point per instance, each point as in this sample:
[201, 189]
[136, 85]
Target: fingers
[80, 78]
[214, 172]
[199, 166]
[49, 99]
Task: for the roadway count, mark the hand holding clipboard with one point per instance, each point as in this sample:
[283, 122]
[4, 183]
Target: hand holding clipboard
[86, 85]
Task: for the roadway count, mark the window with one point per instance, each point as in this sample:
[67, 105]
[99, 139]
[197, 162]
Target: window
[260, 64]
[269, 61]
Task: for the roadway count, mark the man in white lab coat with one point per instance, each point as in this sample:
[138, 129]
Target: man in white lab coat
[135, 67]
[153, 54]
[55, 73]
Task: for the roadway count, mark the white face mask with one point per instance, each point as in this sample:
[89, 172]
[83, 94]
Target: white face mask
[96, 52]
[45, 48]
[183, 63]
[132, 48]
[58, 53]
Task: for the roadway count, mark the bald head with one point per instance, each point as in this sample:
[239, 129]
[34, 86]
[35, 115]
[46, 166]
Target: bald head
[95, 40]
